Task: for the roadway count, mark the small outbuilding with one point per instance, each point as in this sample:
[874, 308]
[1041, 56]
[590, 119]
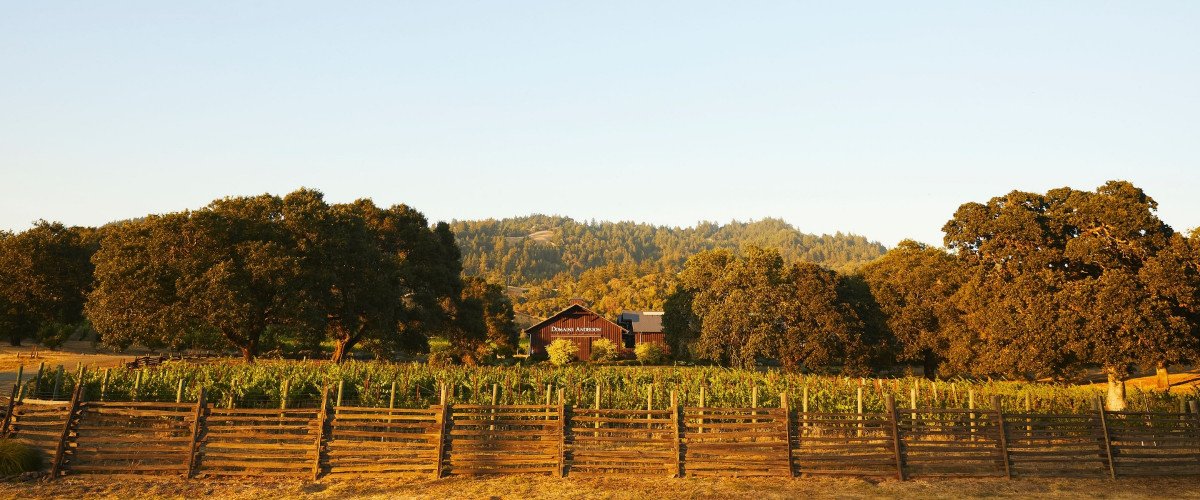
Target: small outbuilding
[642, 327]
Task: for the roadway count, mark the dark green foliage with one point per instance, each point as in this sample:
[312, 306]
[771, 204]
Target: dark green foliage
[293, 269]
[734, 309]
[1068, 280]
[16, 457]
[45, 275]
[911, 287]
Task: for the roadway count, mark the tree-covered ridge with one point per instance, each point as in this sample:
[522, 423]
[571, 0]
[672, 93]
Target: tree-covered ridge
[532, 250]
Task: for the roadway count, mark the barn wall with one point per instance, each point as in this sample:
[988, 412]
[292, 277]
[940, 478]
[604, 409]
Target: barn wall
[580, 327]
[653, 338]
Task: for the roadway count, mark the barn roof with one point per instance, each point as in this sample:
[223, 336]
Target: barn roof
[644, 321]
[569, 308]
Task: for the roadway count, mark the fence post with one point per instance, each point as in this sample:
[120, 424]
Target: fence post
[443, 423]
[700, 429]
[787, 422]
[322, 416]
[8, 413]
[1112, 470]
[61, 449]
[891, 410]
[20, 378]
[1003, 436]
[1195, 409]
[192, 448]
[675, 416]
[562, 435]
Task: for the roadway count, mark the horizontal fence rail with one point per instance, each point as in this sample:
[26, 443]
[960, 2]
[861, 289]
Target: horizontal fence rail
[203, 438]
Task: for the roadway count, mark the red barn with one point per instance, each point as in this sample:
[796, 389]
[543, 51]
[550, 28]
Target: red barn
[577, 324]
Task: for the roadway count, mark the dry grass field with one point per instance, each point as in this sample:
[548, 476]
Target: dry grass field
[525, 487]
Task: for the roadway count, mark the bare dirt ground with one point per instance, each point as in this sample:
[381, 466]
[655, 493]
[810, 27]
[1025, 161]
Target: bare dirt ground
[527, 487]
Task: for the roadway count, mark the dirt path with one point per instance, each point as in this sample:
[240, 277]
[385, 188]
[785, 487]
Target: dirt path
[70, 356]
[532, 487]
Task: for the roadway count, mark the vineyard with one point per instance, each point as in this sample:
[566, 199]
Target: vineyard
[298, 384]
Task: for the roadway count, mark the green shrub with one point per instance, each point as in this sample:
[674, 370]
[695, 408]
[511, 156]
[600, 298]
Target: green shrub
[441, 356]
[16, 458]
[604, 350]
[561, 351]
[650, 353]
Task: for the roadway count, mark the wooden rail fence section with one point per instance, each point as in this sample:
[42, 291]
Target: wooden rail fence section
[205, 439]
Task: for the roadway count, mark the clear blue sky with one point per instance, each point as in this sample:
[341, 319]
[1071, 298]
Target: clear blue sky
[872, 118]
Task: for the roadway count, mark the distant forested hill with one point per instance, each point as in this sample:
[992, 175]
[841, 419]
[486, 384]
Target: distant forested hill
[554, 256]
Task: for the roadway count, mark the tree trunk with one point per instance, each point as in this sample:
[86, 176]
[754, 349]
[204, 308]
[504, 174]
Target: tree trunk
[250, 350]
[1162, 378]
[339, 350]
[14, 340]
[1116, 391]
[929, 365]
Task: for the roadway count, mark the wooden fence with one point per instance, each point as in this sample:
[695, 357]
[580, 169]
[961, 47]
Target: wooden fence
[205, 439]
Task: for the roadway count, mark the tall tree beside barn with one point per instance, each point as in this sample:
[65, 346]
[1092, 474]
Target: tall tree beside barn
[1060, 281]
[45, 275]
[734, 309]
[913, 285]
[496, 312]
[820, 329]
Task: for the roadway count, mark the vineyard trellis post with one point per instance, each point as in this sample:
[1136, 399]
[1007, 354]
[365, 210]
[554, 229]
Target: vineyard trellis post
[596, 424]
[1112, 470]
[895, 428]
[193, 448]
[1003, 435]
[859, 399]
[104, 385]
[61, 449]
[971, 406]
[37, 381]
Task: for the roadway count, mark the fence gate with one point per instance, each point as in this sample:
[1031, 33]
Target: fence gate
[508, 439]
[1054, 445]
[41, 424]
[736, 442]
[633, 442]
[964, 443]
[133, 438]
[843, 444]
[375, 441]
[260, 442]
[1154, 444]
